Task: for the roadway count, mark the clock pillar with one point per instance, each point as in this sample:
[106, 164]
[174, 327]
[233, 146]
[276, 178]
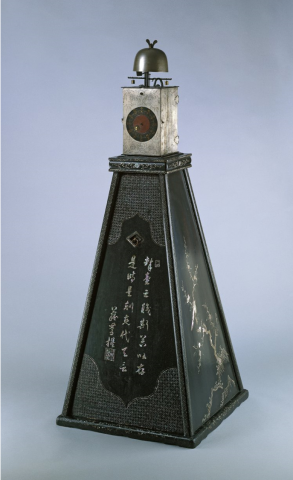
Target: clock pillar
[154, 359]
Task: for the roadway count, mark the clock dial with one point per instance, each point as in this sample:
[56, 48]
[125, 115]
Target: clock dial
[141, 124]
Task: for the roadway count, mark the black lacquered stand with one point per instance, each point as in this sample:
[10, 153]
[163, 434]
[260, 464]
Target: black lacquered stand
[154, 359]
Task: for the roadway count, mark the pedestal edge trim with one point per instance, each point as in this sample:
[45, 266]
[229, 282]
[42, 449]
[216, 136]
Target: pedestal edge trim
[138, 433]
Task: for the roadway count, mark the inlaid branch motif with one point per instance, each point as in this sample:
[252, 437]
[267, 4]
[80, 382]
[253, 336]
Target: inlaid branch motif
[207, 329]
[190, 300]
[226, 390]
[217, 386]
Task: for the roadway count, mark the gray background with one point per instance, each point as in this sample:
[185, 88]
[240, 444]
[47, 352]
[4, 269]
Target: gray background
[64, 62]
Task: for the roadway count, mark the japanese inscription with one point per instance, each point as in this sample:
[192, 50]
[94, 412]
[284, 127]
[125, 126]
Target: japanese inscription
[127, 313]
[125, 324]
[110, 342]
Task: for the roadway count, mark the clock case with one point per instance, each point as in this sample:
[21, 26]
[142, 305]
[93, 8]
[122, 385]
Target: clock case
[191, 382]
[154, 359]
[164, 104]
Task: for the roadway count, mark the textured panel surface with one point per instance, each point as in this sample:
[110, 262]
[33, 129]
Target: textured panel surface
[160, 411]
[139, 194]
[84, 323]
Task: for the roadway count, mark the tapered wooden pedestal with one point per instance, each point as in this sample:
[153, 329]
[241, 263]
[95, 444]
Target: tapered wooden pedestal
[154, 359]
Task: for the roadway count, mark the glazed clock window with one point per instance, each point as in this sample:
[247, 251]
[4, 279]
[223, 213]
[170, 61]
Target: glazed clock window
[142, 124]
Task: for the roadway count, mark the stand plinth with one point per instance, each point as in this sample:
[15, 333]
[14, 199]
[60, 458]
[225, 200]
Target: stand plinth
[154, 359]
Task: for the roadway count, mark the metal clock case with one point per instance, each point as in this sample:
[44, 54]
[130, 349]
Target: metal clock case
[163, 105]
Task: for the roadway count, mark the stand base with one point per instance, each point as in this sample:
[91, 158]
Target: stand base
[187, 442]
[168, 373]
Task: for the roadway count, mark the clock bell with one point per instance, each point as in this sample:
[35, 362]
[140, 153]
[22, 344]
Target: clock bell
[154, 359]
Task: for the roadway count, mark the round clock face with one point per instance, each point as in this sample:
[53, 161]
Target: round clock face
[141, 124]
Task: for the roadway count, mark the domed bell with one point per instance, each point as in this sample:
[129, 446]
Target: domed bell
[150, 59]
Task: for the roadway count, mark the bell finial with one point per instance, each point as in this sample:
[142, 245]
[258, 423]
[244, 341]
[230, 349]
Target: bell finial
[151, 45]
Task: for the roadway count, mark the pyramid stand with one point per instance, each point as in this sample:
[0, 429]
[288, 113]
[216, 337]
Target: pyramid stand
[170, 375]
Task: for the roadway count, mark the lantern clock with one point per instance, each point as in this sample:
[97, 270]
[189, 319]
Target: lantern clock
[154, 359]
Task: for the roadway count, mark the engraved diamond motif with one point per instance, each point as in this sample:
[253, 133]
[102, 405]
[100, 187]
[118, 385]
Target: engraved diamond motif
[135, 239]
